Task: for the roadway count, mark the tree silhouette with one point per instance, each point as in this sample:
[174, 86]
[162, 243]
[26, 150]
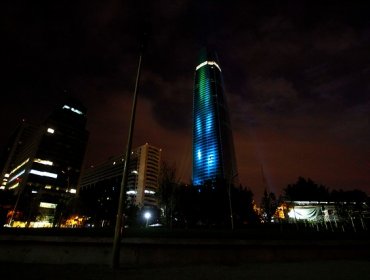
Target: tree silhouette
[269, 205]
[306, 190]
[167, 192]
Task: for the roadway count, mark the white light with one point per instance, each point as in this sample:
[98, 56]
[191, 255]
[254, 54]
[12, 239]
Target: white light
[73, 191]
[34, 191]
[2, 188]
[50, 130]
[134, 172]
[19, 166]
[208, 63]
[43, 161]
[201, 65]
[44, 173]
[17, 175]
[76, 111]
[149, 192]
[6, 175]
[48, 205]
[304, 213]
[48, 187]
[131, 192]
[147, 215]
[72, 109]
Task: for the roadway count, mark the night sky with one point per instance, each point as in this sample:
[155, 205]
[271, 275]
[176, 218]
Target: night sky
[296, 73]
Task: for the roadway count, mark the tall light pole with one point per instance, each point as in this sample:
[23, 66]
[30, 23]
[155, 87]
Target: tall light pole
[119, 219]
[147, 216]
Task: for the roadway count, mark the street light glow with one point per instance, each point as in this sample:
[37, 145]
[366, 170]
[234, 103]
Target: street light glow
[147, 215]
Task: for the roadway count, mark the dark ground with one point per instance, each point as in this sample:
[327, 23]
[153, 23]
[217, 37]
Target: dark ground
[338, 270]
[358, 268]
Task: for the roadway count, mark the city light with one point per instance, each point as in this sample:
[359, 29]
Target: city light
[16, 176]
[44, 173]
[16, 168]
[72, 109]
[43, 161]
[208, 63]
[147, 216]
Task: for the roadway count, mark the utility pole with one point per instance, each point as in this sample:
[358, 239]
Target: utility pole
[121, 203]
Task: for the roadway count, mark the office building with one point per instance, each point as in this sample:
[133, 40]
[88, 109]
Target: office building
[213, 147]
[100, 184]
[43, 165]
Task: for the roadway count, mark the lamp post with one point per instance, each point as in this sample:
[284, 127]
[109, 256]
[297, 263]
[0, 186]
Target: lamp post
[119, 219]
[147, 216]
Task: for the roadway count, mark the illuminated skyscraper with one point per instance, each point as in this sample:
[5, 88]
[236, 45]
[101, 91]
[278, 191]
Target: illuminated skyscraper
[43, 164]
[213, 147]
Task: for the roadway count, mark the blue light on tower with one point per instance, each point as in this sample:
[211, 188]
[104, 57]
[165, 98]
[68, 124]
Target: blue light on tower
[213, 150]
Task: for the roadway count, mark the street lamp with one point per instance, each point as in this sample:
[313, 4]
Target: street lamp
[147, 216]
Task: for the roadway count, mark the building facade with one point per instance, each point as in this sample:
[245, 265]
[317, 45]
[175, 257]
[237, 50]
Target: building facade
[101, 183]
[213, 147]
[44, 163]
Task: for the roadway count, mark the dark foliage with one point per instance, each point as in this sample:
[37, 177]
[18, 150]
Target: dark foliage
[306, 190]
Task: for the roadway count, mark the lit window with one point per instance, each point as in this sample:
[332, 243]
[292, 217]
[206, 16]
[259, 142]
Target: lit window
[16, 176]
[131, 192]
[48, 205]
[42, 161]
[44, 173]
[149, 192]
[19, 166]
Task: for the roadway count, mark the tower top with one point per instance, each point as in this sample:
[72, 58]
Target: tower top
[207, 57]
[207, 54]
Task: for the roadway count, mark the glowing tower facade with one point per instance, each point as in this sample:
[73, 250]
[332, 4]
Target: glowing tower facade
[213, 146]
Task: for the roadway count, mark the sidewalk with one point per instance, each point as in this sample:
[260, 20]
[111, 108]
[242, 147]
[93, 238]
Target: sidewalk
[338, 270]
